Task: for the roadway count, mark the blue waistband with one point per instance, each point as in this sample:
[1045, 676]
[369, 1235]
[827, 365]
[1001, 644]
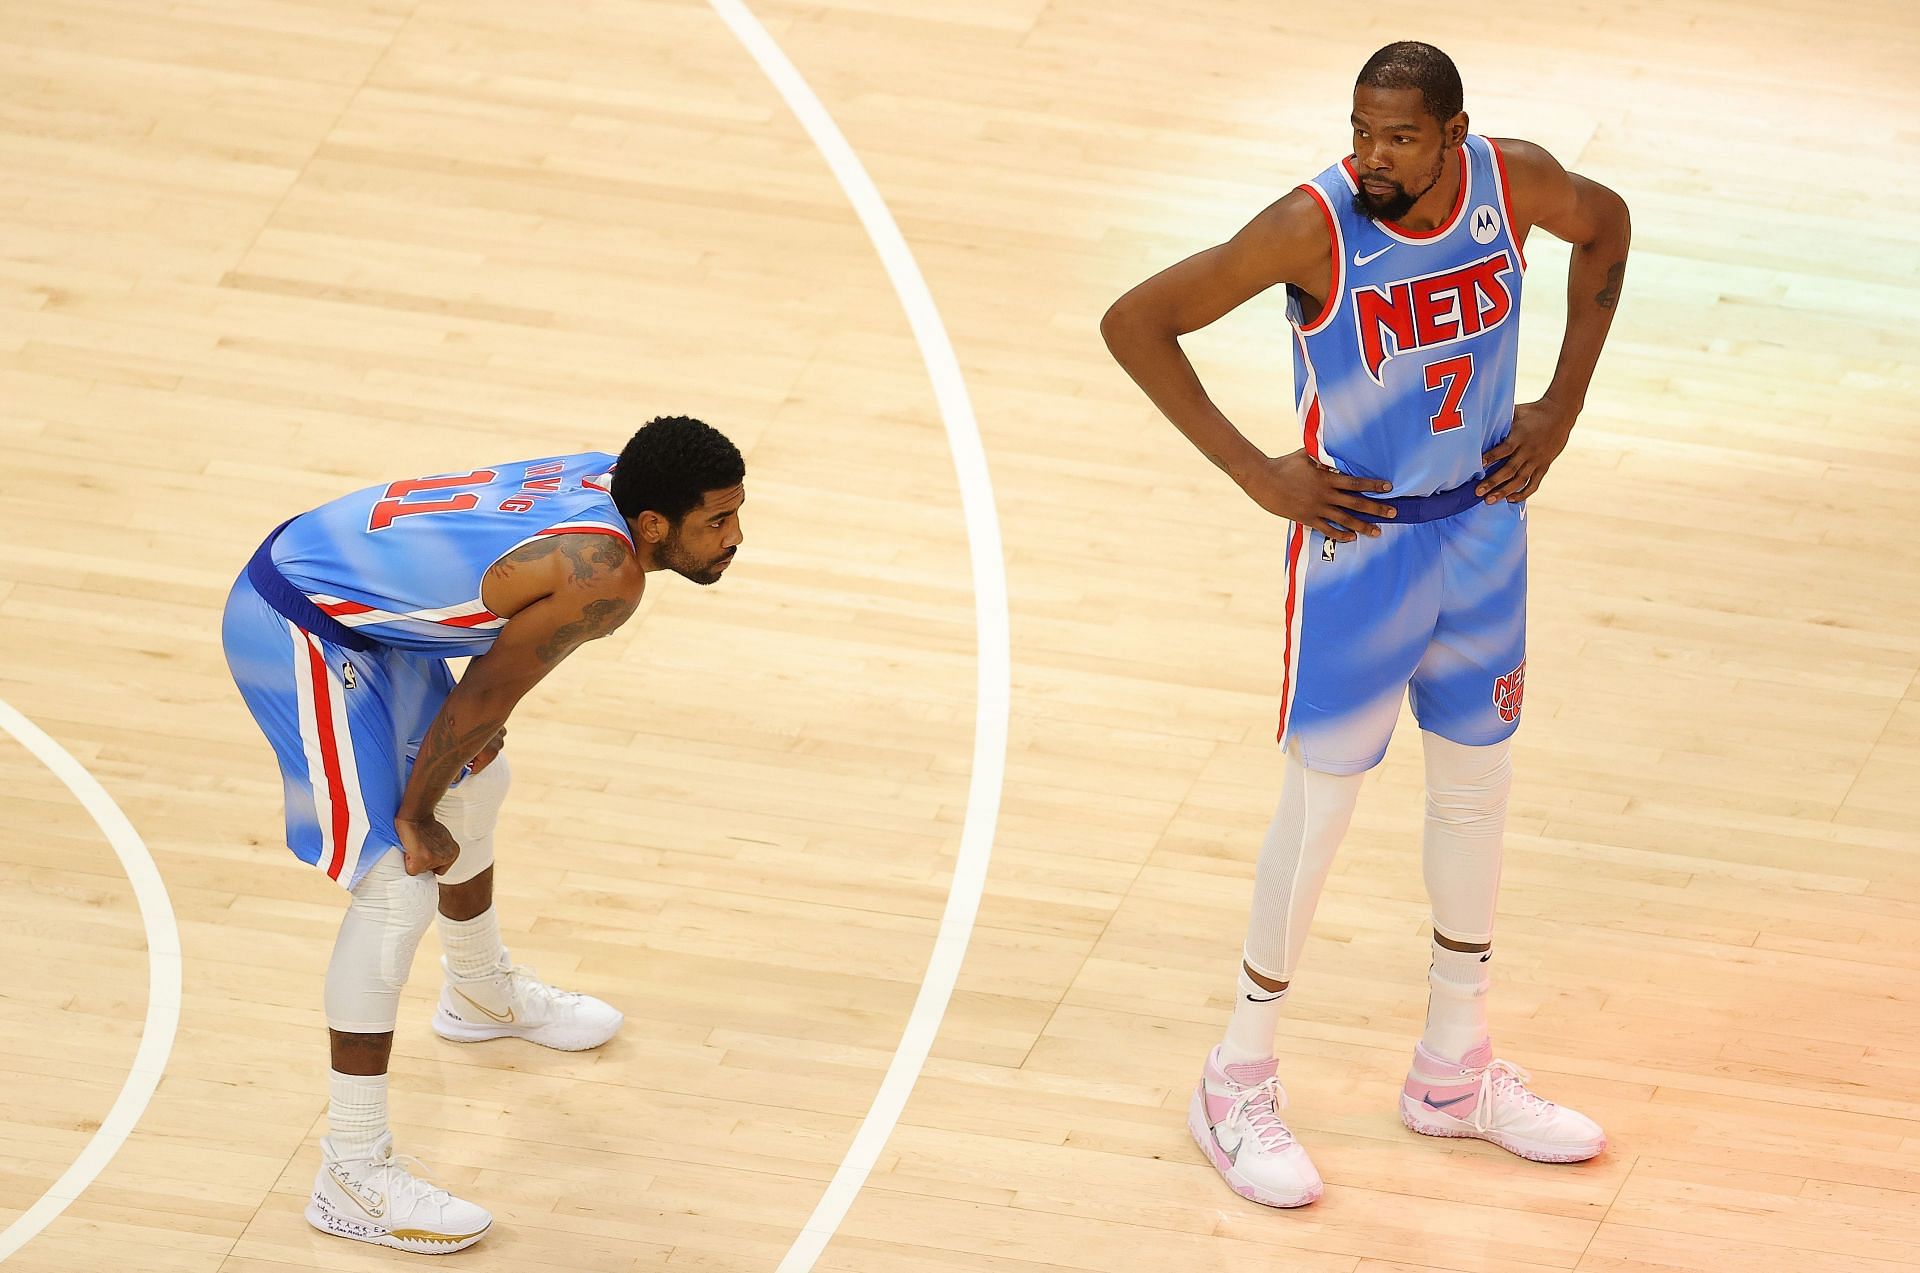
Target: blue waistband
[294, 605]
[1431, 508]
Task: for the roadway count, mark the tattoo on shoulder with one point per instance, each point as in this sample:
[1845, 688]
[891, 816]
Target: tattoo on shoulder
[1608, 296]
[599, 618]
[585, 554]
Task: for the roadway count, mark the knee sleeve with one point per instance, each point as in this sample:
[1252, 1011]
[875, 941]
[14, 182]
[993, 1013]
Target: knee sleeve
[1315, 810]
[470, 811]
[1465, 833]
[388, 914]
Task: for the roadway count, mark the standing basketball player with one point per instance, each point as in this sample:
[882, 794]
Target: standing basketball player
[337, 633]
[1406, 558]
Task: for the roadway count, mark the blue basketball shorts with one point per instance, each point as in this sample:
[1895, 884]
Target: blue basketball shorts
[1439, 607]
[344, 724]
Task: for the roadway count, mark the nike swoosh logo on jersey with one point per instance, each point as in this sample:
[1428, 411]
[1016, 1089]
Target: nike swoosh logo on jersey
[506, 1020]
[1433, 1104]
[1359, 260]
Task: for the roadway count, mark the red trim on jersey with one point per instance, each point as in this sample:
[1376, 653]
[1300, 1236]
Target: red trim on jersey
[329, 754]
[338, 608]
[1506, 201]
[467, 620]
[1335, 295]
[585, 530]
[1310, 435]
[1453, 218]
[1294, 542]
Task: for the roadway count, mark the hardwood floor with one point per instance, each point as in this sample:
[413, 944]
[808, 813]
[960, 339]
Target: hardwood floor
[256, 253]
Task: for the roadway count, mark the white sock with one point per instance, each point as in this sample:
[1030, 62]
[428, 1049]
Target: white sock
[473, 946]
[1256, 1016]
[356, 1112]
[1456, 1001]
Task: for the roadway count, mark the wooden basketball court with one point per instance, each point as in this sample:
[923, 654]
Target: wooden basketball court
[256, 253]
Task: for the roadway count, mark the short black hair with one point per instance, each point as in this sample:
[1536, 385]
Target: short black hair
[1411, 64]
[670, 464]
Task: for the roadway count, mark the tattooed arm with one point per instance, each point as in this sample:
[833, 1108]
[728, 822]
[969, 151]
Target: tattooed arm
[558, 593]
[1594, 220]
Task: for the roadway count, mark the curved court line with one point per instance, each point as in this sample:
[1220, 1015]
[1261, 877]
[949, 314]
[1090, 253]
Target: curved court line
[993, 662]
[163, 981]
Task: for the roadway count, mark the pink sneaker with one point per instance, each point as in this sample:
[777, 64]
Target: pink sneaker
[1235, 1117]
[1488, 1100]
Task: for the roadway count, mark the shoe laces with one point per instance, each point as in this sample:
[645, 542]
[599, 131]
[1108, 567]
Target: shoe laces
[1260, 1104]
[525, 982]
[414, 1180]
[402, 1176]
[1505, 1078]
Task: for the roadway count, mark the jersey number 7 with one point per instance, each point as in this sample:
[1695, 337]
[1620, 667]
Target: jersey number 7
[1453, 375]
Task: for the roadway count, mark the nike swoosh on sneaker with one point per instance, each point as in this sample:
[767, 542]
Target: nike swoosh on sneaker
[506, 1020]
[1233, 1154]
[1359, 260]
[1428, 1098]
[377, 1208]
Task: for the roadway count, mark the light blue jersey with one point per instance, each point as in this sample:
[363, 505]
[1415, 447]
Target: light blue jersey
[1407, 372]
[401, 563]
[339, 629]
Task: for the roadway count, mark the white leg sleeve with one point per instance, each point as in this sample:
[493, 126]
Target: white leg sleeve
[1465, 829]
[470, 811]
[388, 914]
[1315, 809]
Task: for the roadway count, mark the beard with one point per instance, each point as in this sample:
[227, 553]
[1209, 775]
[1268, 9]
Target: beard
[703, 571]
[1392, 207]
[1384, 207]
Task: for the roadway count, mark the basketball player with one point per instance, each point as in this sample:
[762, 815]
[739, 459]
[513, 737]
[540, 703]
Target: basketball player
[1406, 557]
[338, 632]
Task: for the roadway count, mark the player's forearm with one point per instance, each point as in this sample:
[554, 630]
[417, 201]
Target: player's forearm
[466, 723]
[1151, 354]
[1594, 279]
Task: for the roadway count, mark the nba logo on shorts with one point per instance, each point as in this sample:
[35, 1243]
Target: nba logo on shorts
[1508, 690]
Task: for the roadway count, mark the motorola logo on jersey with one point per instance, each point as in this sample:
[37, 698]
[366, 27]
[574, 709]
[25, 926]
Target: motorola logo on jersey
[1485, 224]
[1432, 310]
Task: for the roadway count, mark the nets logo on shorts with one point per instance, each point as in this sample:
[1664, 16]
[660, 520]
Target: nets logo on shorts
[1508, 691]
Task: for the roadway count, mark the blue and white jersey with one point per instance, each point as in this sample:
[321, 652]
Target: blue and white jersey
[403, 562]
[1407, 373]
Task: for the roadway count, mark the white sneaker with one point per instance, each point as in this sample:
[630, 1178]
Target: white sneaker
[1489, 1100]
[510, 1002]
[376, 1199]
[1235, 1118]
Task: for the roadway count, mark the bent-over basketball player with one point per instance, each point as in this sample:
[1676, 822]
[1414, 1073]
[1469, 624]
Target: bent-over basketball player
[1405, 560]
[337, 633]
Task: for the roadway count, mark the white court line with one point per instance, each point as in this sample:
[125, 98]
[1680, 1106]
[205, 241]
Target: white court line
[163, 981]
[993, 665]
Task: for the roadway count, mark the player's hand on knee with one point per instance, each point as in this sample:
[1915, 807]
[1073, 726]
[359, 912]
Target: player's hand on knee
[1539, 434]
[488, 753]
[426, 845]
[1301, 489]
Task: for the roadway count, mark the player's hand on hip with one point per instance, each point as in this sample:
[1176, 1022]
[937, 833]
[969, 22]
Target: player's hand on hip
[1539, 434]
[426, 845]
[1301, 489]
